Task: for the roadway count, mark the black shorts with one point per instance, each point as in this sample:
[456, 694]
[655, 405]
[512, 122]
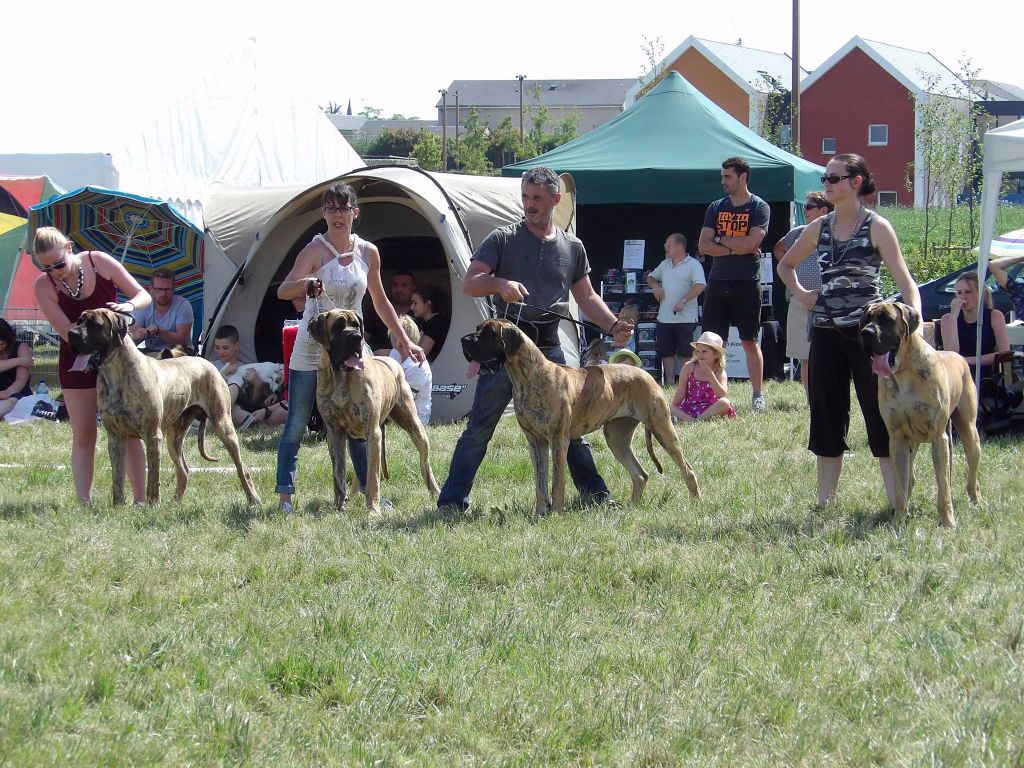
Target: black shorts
[733, 302]
[835, 359]
[673, 339]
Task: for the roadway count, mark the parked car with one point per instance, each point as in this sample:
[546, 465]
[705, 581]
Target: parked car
[937, 294]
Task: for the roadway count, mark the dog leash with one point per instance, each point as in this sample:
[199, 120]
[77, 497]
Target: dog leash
[520, 305]
[585, 324]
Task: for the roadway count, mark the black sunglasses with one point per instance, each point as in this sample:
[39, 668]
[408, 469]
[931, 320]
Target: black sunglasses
[56, 265]
[835, 178]
[812, 206]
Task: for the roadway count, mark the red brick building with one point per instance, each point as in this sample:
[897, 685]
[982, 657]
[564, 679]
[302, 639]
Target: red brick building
[863, 99]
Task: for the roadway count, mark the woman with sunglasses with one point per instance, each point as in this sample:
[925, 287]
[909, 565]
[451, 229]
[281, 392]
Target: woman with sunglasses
[851, 244]
[70, 284]
[334, 271]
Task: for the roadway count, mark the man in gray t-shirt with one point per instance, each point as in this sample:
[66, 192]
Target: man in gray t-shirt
[530, 262]
[167, 320]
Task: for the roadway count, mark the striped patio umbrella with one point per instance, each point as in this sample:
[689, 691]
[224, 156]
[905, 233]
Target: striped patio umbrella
[142, 233]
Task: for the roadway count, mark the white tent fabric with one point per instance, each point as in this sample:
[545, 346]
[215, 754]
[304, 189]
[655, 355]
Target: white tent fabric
[244, 125]
[1004, 152]
[457, 212]
[69, 170]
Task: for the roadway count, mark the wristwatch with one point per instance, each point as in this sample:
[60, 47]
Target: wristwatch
[717, 239]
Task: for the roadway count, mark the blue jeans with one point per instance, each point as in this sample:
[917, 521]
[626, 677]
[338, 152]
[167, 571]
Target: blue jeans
[493, 394]
[301, 398]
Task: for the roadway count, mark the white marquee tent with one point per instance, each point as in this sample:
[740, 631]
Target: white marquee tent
[243, 124]
[1004, 152]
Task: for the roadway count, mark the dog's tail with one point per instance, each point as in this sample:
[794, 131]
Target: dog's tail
[384, 452]
[202, 439]
[650, 450]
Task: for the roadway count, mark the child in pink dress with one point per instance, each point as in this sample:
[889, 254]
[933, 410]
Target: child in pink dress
[703, 383]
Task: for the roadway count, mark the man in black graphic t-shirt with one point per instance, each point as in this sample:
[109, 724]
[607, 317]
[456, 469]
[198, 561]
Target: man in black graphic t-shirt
[733, 230]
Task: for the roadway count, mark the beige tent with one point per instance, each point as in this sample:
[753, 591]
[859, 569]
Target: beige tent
[427, 223]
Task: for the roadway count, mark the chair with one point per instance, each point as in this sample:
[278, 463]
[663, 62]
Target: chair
[999, 402]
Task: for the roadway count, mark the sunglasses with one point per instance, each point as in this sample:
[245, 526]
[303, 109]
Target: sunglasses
[56, 265]
[811, 206]
[337, 209]
[834, 178]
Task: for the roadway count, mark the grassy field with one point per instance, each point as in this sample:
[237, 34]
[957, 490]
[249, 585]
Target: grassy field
[748, 628]
[925, 265]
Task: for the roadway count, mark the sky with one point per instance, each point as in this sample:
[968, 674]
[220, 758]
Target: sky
[78, 73]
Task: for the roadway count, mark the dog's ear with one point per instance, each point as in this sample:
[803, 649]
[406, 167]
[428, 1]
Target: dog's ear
[318, 329]
[911, 317]
[118, 327]
[511, 338]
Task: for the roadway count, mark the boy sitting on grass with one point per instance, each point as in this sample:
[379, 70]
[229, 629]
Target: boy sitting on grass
[253, 399]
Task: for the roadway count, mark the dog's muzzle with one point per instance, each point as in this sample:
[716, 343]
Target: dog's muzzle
[471, 351]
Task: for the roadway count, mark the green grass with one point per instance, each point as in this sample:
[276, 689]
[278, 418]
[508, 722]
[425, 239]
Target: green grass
[909, 224]
[748, 628]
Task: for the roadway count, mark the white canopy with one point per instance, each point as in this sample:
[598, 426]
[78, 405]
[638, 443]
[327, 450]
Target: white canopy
[1004, 152]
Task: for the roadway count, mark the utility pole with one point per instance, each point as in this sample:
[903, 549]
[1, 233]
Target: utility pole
[444, 130]
[522, 140]
[794, 92]
[457, 130]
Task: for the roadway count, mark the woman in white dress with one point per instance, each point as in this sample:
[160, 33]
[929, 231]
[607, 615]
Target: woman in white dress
[341, 267]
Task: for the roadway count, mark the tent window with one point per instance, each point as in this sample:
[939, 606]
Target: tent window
[887, 198]
[828, 146]
[878, 135]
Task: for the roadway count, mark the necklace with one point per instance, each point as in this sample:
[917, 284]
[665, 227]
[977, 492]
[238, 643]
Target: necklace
[856, 228]
[74, 294]
[334, 251]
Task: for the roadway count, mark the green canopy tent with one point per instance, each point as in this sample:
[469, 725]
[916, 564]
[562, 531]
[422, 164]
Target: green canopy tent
[654, 169]
[668, 148]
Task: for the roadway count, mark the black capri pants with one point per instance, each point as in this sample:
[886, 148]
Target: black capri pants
[835, 359]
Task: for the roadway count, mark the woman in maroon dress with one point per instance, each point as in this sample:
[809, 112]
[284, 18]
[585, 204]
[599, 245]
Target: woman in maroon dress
[70, 284]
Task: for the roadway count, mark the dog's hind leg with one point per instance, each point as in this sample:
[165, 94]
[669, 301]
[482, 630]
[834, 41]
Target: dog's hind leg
[965, 421]
[618, 433]
[407, 420]
[175, 437]
[225, 431]
[669, 440]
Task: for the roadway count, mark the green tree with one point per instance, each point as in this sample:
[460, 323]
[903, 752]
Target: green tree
[949, 142]
[427, 151]
[653, 52]
[503, 144]
[472, 156]
[371, 113]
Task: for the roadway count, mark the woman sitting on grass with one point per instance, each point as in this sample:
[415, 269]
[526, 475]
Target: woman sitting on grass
[703, 385]
[15, 369]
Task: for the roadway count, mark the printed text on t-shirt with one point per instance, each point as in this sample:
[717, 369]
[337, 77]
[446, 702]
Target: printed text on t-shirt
[733, 223]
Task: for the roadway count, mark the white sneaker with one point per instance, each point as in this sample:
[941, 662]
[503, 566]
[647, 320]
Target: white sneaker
[759, 404]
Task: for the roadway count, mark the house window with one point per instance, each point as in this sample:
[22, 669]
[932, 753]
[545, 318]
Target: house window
[887, 198]
[828, 146]
[878, 135]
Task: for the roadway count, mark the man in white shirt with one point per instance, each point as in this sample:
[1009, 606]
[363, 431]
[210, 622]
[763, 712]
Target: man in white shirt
[677, 282]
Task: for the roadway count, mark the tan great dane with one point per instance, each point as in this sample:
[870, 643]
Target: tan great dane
[555, 403]
[919, 391]
[140, 396]
[357, 393]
